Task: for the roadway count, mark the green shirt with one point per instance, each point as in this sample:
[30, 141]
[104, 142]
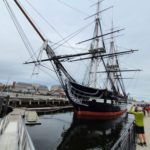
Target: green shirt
[139, 117]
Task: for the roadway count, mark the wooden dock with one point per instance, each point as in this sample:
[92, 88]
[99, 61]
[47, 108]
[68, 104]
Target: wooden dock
[147, 132]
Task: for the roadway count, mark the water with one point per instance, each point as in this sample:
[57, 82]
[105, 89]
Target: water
[63, 131]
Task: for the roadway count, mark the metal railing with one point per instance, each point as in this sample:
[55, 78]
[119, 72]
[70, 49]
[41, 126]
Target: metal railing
[3, 124]
[24, 141]
[127, 140]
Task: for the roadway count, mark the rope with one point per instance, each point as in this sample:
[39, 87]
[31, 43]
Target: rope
[73, 8]
[20, 31]
[72, 35]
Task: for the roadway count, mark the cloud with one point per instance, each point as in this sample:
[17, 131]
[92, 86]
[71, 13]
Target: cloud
[65, 20]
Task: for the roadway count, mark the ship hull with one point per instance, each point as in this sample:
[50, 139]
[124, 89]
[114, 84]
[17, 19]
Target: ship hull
[86, 106]
[100, 111]
[99, 115]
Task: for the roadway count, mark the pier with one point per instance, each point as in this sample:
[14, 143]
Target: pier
[31, 100]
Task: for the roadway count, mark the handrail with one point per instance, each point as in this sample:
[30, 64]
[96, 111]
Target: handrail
[24, 141]
[127, 139]
[3, 124]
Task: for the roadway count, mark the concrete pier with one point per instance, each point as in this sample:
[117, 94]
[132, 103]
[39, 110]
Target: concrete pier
[147, 133]
[50, 109]
[30, 100]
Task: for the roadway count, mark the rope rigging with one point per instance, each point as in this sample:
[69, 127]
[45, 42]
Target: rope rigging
[20, 31]
[26, 41]
[64, 40]
[71, 36]
[46, 21]
[73, 8]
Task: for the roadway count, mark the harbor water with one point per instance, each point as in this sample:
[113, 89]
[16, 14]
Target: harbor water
[63, 131]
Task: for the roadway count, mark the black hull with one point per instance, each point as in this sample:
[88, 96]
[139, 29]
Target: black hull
[87, 103]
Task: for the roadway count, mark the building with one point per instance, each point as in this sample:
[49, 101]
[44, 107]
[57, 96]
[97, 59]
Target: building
[1, 86]
[22, 87]
[57, 90]
[56, 87]
[42, 89]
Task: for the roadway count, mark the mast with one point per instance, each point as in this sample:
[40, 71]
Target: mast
[114, 68]
[95, 46]
[92, 79]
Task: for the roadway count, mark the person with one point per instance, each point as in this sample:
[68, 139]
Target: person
[139, 124]
[148, 110]
[144, 110]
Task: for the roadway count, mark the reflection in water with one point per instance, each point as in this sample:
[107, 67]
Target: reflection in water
[63, 131]
[91, 134]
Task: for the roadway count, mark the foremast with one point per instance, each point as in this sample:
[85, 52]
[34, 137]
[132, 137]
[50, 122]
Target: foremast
[95, 47]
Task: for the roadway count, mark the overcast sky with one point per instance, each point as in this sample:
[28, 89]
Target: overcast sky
[132, 15]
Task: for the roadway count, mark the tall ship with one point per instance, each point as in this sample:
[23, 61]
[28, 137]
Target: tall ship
[102, 93]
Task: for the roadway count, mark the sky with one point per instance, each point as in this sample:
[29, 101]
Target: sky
[67, 16]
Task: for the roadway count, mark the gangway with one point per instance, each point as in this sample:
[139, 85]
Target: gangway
[13, 132]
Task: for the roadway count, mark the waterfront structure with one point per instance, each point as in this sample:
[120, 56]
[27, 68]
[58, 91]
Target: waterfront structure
[29, 88]
[22, 87]
[56, 87]
[57, 90]
[1, 86]
[41, 89]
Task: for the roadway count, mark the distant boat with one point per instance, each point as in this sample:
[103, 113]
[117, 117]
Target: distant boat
[105, 101]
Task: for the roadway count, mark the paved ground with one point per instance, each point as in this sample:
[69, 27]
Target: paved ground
[147, 132]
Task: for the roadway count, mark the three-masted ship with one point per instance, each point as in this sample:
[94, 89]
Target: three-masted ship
[90, 100]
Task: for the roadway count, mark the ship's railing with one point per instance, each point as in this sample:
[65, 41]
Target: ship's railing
[127, 140]
[77, 100]
[24, 141]
[3, 124]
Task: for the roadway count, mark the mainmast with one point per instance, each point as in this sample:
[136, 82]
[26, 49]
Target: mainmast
[114, 68]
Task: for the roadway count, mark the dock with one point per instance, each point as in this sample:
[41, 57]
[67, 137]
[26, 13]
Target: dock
[31, 118]
[30, 100]
[147, 133]
[50, 109]
[13, 133]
